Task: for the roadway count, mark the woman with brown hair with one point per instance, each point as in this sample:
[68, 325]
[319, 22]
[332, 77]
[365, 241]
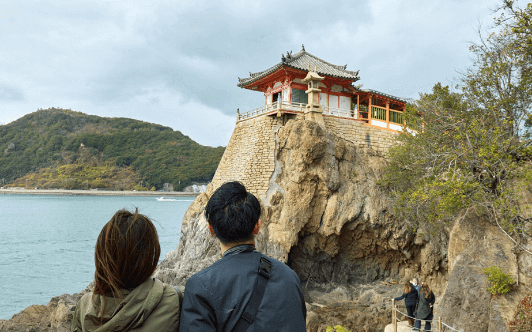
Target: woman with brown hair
[410, 296]
[424, 307]
[125, 297]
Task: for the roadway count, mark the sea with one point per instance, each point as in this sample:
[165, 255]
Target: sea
[47, 242]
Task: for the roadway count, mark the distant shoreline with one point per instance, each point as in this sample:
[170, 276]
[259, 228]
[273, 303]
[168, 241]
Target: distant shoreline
[66, 192]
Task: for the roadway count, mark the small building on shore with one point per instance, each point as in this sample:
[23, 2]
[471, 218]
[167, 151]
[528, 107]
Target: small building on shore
[305, 84]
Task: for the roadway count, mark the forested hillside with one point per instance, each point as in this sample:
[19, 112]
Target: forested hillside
[62, 148]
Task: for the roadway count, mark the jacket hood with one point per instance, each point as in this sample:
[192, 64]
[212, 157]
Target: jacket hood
[127, 313]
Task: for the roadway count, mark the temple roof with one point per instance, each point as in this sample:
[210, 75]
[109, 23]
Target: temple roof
[403, 100]
[302, 60]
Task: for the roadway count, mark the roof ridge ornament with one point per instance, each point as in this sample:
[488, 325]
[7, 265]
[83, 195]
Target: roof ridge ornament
[288, 56]
[303, 47]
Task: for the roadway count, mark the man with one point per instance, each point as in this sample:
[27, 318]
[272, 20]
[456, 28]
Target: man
[414, 283]
[222, 296]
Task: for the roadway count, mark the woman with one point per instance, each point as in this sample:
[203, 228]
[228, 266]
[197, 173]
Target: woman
[410, 296]
[424, 307]
[125, 297]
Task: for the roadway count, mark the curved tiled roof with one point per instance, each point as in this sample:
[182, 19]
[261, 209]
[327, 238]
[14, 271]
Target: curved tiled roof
[302, 60]
[403, 100]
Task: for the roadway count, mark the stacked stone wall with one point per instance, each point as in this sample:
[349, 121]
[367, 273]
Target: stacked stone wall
[360, 134]
[249, 156]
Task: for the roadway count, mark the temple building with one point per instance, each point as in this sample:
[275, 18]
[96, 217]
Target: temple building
[303, 84]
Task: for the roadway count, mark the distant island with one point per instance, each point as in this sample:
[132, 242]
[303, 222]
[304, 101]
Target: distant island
[62, 149]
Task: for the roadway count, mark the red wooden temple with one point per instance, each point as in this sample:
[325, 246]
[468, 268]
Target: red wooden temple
[284, 92]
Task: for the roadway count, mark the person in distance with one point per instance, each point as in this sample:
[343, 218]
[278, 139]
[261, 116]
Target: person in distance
[244, 290]
[425, 307]
[410, 296]
[415, 283]
[125, 297]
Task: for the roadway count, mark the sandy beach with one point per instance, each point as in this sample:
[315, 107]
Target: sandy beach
[65, 192]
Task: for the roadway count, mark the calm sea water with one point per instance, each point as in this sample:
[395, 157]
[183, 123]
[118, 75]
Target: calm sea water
[47, 242]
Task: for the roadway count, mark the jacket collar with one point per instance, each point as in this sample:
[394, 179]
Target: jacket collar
[239, 249]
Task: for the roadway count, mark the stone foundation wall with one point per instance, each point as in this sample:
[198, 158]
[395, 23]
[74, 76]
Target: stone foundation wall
[360, 134]
[249, 156]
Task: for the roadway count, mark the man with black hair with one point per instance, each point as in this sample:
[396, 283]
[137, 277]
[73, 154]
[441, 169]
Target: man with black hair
[244, 290]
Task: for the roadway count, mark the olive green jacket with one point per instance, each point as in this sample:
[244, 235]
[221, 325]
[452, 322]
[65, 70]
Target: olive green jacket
[152, 306]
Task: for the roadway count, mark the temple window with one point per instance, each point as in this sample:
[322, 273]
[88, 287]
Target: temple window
[323, 100]
[345, 103]
[299, 96]
[333, 101]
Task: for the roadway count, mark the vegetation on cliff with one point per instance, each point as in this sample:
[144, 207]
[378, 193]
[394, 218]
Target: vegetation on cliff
[473, 148]
[58, 148]
[86, 172]
[500, 282]
[522, 321]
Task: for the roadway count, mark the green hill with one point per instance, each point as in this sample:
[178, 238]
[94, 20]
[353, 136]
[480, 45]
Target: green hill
[62, 148]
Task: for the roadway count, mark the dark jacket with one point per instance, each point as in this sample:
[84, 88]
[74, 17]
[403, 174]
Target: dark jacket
[424, 310]
[152, 306]
[216, 296]
[417, 287]
[410, 297]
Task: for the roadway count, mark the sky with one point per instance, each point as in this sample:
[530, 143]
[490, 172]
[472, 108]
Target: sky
[177, 63]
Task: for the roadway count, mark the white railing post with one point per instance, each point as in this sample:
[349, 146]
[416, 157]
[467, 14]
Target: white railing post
[394, 316]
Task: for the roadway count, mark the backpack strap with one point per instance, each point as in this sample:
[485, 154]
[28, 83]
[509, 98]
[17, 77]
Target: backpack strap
[256, 297]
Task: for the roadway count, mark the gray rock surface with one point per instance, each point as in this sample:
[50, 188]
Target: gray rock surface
[467, 304]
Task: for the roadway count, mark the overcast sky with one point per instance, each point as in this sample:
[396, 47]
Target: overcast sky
[177, 63]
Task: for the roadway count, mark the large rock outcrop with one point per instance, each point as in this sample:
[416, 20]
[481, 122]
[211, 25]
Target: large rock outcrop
[56, 316]
[323, 214]
[326, 217]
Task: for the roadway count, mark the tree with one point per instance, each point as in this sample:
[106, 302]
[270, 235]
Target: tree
[500, 78]
[473, 149]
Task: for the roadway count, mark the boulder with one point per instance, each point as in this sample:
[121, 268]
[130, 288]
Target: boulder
[467, 304]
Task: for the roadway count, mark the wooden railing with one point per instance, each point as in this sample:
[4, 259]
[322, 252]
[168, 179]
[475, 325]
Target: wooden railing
[291, 107]
[376, 113]
[272, 108]
[338, 112]
[396, 117]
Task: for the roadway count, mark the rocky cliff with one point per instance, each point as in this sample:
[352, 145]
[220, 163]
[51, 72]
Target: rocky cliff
[55, 316]
[324, 215]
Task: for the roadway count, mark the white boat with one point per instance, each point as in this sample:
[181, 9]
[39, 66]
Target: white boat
[164, 199]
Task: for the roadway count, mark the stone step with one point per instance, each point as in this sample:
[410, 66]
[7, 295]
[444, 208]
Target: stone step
[401, 327]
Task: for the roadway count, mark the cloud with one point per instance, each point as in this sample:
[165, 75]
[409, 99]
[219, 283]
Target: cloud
[106, 57]
[157, 104]
[10, 93]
